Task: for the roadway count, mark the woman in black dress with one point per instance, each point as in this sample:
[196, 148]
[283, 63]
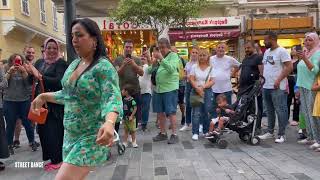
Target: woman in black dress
[51, 69]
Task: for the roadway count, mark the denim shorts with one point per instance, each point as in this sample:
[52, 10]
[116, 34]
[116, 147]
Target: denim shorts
[165, 102]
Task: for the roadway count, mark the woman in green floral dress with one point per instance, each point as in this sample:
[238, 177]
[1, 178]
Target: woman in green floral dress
[92, 100]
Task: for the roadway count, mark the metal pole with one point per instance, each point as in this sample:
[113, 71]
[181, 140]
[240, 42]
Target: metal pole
[252, 31]
[69, 16]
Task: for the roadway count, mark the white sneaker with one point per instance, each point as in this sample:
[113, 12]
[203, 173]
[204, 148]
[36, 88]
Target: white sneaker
[305, 141]
[314, 146]
[135, 145]
[185, 128]
[300, 131]
[266, 136]
[195, 137]
[125, 144]
[280, 139]
[200, 128]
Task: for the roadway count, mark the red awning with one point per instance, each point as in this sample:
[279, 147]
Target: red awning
[177, 35]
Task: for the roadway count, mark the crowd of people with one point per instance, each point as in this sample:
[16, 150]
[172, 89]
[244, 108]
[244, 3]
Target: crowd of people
[93, 96]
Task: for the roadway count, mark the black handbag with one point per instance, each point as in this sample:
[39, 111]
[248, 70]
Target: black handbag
[195, 99]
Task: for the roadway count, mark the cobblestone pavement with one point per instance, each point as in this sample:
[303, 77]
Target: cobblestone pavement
[190, 160]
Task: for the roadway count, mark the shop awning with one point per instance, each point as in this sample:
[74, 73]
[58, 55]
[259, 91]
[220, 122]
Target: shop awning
[178, 35]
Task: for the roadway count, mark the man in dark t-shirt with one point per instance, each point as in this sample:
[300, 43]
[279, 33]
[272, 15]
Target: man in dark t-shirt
[251, 68]
[129, 69]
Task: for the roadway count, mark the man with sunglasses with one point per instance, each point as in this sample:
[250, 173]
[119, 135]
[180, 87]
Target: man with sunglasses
[277, 66]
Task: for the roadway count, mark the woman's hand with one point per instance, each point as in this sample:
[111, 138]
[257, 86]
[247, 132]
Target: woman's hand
[22, 69]
[105, 134]
[301, 55]
[131, 118]
[12, 69]
[315, 87]
[37, 104]
[200, 91]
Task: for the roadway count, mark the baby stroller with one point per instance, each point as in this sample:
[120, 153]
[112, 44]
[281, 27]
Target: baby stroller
[245, 118]
[121, 148]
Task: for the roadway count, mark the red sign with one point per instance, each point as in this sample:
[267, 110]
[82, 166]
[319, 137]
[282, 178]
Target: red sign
[204, 34]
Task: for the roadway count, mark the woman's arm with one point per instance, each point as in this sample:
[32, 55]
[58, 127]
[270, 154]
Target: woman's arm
[3, 79]
[192, 80]
[209, 83]
[55, 80]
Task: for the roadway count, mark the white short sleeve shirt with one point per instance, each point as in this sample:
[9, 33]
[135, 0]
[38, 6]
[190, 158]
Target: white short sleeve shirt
[222, 69]
[273, 65]
[201, 75]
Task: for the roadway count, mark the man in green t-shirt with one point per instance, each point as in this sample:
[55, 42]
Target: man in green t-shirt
[129, 69]
[166, 90]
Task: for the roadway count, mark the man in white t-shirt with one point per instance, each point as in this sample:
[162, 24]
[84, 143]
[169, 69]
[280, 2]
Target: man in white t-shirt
[277, 66]
[223, 66]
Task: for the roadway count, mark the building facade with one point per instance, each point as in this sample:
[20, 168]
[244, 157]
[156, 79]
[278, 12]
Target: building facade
[29, 22]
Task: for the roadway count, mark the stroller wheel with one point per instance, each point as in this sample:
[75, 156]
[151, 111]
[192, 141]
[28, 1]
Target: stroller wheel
[214, 139]
[255, 140]
[222, 144]
[244, 137]
[121, 149]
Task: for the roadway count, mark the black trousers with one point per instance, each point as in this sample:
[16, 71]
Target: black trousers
[4, 152]
[291, 95]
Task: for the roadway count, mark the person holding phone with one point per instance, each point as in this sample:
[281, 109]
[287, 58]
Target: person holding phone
[308, 68]
[16, 98]
[129, 69]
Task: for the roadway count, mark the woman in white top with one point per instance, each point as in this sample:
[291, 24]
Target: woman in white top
[201, 80]
[193, 60]
[223, 66]
[145, 89]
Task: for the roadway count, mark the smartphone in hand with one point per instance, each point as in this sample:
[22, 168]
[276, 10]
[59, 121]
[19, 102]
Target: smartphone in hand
[298, 47]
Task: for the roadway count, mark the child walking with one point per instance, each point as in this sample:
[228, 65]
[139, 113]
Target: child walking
[129, 111]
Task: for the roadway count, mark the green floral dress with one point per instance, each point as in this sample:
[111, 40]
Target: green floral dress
[87, 101]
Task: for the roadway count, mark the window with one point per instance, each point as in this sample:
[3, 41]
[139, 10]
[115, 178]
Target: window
[25, 7]
[43, 17]
[4, 4]
[55, 18]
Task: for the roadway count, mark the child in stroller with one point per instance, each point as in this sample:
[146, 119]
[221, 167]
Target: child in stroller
[241, 117]
[224, 111]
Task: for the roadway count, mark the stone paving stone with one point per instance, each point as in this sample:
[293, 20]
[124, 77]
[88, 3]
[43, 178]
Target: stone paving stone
[133, 178]
[260, 170]
[251, 175]
[174, 172]
[301, 176]
[269, 177]
[189, 173]
[225, 163]
[161, 178]
[187, 145]
[250, 162]
[158, 157]
[238, 177]
[120, 172]
[147, 147]
[159, 171]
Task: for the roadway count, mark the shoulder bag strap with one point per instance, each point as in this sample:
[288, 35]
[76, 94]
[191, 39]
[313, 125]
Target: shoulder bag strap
[208, 74]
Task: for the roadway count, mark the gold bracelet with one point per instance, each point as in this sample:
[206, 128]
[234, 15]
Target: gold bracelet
[109, 121]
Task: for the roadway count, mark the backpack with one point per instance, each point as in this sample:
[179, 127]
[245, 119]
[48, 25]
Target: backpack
[182, 65]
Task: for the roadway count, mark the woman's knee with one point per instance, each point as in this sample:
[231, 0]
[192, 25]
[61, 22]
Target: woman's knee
[72, 172]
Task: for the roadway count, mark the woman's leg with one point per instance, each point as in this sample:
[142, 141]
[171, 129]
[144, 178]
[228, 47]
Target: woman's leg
[10, 113]
[188, 106]
[71, 172]
[196, 114]
[24, 109]
[304, 96]
[207, 106]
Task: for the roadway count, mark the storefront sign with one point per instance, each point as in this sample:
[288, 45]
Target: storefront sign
[109, 24]
[204, 34]
[214, 22]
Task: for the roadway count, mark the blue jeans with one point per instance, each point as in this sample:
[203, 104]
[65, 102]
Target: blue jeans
[188, 106]
[145, 106]
[276, 102]
[214, 107]
[13, 111]
[201, 114]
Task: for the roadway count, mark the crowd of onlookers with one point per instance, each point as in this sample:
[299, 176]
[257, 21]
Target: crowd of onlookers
[162, 77]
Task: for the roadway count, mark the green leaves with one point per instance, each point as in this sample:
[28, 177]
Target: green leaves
[158, 13]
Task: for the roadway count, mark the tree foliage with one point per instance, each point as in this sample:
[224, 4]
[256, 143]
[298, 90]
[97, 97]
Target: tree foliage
[158, 13]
